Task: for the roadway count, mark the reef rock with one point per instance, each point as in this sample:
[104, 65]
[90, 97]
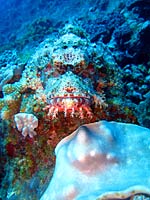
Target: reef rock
[102, 160]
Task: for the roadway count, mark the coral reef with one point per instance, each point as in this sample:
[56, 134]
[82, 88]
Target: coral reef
[136, 89]
[11, 68]
[94, 65]
[67, 81]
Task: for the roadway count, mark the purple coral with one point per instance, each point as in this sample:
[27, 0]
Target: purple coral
[26, 123]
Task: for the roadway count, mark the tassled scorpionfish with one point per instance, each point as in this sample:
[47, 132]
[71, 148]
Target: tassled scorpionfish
[64, 76]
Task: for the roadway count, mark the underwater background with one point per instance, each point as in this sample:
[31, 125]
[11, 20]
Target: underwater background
[64, 64]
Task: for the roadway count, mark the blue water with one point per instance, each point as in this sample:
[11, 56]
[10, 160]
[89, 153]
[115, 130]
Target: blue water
[15, 16]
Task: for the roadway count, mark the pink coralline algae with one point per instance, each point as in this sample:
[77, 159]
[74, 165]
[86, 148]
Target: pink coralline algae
[71, 95]
[102, 160]
[26, 123]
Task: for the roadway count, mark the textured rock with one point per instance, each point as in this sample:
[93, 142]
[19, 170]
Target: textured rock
[10, 69]
[140, 7]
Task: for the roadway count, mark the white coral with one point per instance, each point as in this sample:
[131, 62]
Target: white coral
[26, 123]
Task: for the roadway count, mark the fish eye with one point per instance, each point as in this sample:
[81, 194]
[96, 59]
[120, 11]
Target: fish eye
[65, 47]
[75, 47]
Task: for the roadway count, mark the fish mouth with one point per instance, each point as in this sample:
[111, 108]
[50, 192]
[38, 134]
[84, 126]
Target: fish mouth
[66, 99]
[70, 106]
